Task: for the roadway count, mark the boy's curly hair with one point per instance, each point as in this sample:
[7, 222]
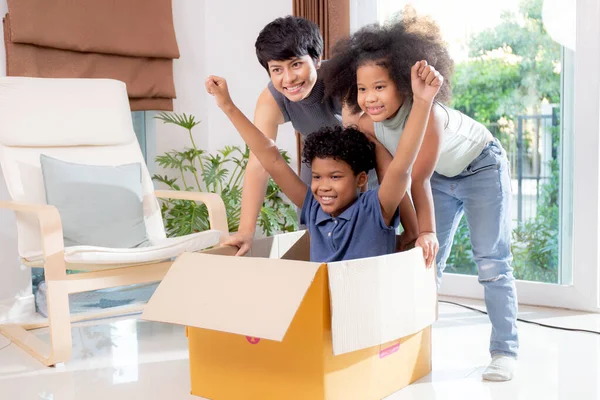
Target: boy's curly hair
[396, 46]
[344, 144]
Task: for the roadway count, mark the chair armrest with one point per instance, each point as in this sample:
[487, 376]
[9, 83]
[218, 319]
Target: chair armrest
[217, 215]
[51, 231]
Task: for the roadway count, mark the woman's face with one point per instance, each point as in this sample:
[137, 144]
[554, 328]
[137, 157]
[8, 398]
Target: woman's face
[295, 77]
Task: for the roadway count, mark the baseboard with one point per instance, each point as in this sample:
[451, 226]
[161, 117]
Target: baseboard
[16, 309]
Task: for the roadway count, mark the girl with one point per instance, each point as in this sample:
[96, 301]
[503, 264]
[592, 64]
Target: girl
[461, 168]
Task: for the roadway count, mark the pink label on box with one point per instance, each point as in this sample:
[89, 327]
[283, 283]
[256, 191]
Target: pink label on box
[389, 350]
[252, 340]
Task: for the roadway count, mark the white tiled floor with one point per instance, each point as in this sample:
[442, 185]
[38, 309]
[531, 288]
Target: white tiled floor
[129, 359]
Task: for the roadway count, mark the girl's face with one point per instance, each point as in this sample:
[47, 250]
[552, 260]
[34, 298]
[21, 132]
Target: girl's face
[294, 78]
[378, 95]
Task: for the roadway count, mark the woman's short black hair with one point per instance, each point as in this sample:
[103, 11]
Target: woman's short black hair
[396, 46]
[343, 144]
[286, 38]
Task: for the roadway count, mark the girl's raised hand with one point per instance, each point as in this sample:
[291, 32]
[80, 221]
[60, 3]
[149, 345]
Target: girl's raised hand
[426, 81]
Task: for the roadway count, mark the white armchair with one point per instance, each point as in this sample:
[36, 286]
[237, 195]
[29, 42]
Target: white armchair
[83, 121]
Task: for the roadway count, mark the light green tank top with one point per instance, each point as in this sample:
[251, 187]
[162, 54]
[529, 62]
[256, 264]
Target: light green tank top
[462, 141]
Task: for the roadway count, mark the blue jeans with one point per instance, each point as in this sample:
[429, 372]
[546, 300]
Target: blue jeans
[482, 193]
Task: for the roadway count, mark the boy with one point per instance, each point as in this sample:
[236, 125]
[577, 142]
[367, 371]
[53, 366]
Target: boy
[290, 50]
[342, 223]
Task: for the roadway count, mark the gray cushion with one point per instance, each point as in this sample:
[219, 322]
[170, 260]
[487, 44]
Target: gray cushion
[98, 205]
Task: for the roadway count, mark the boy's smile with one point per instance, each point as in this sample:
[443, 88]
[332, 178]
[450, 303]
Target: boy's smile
[334, 184]
[327, 200]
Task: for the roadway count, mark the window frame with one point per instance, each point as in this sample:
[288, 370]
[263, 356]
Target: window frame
[579, 272]
[583, 290]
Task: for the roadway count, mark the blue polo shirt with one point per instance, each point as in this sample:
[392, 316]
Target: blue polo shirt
[358, 232]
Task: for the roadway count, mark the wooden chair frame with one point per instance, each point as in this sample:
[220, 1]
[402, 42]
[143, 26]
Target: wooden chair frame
[60, 284]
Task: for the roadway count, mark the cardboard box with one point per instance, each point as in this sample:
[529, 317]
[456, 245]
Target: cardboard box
[275, 326]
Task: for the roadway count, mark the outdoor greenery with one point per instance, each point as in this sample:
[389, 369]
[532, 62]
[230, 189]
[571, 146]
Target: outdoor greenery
[513, 69]
[221, 173]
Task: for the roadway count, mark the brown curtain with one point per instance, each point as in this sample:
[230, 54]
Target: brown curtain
[129, 40]
[333, 18]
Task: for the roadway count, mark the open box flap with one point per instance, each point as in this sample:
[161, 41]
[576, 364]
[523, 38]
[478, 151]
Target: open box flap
[287, 246]
[380, 299]
[255, 297]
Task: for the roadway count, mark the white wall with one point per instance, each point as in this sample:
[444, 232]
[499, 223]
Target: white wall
[230, 53]
[212, 40]
[16, 299]
[189, 72]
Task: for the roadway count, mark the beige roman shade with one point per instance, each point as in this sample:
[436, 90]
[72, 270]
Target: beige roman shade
[129, 40]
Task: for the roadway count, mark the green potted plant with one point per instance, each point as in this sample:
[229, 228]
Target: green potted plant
[221, 173]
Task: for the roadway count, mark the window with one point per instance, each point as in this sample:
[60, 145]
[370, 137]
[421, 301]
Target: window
[518, 73]
[508, 76]
[144, 127]
[139, 126]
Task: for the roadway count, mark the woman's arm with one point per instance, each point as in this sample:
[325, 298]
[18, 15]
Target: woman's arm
[261, 146]
[267, 118]
[421, 186]
[397, 177]
[423, 170]
[408, 216]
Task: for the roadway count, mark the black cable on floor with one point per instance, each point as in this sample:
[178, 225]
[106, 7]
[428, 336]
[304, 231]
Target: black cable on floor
[562, 328]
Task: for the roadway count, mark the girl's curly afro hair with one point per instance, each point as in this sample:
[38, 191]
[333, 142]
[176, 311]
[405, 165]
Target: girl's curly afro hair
[396, 46]
[343, 144]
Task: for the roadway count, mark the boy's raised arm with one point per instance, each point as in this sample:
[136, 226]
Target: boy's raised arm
[263, 148]
[426, 82]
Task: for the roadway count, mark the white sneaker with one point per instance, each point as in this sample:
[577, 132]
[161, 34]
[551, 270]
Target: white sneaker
[500, 369]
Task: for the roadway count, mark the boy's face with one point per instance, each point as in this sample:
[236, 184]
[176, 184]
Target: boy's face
[295, 77]
[334, 184]
[378, 95]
